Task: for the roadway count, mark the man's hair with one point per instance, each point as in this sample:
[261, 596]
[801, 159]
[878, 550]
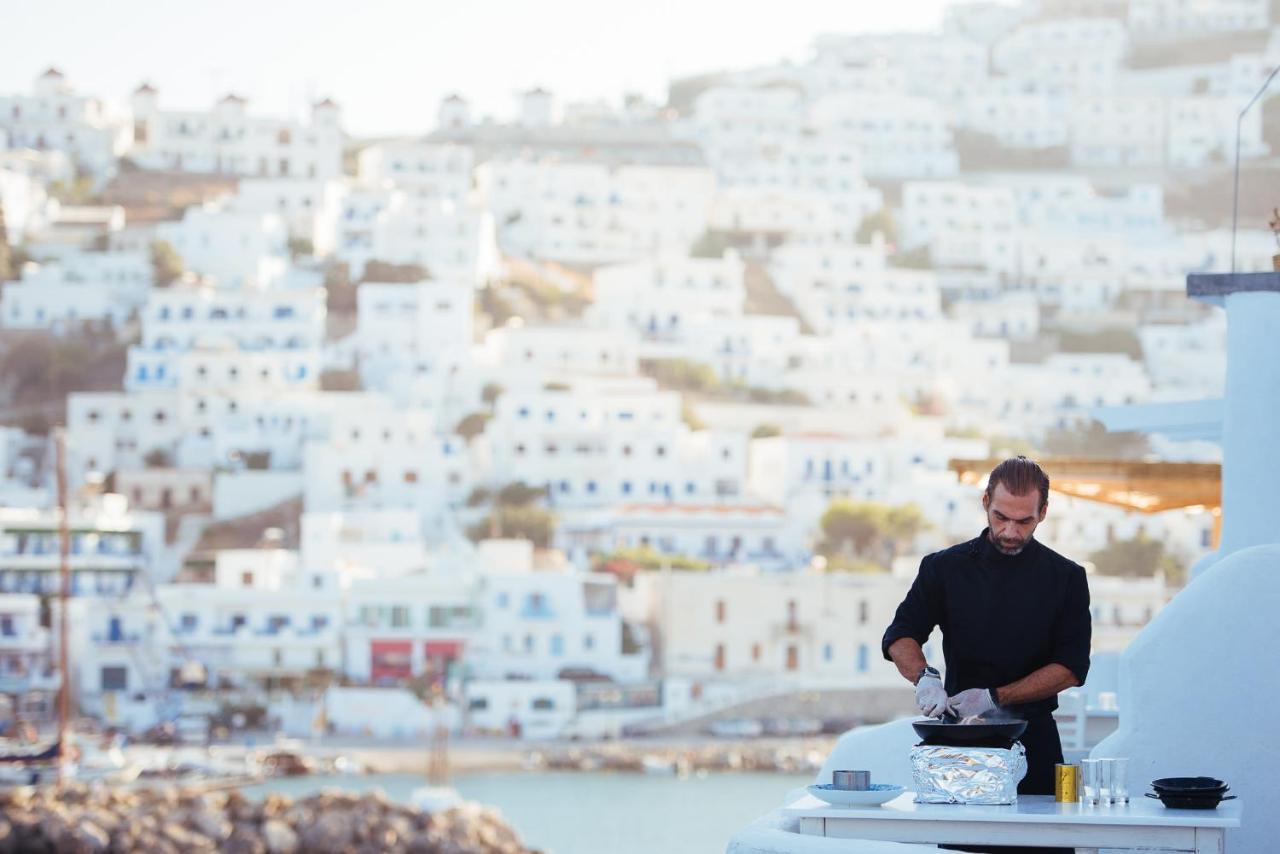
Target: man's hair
[1020, 476]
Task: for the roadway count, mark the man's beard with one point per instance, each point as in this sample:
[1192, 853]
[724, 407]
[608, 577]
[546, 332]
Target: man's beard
[1011, 551]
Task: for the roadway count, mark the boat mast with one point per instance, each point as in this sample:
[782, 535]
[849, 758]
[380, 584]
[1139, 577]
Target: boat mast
[64, 596]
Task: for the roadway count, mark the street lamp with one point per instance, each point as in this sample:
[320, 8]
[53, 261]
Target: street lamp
[1235, 193]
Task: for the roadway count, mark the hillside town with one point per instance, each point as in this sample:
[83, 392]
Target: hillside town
[596, 418]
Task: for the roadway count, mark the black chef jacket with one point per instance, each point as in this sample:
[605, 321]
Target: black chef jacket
[1002, 616]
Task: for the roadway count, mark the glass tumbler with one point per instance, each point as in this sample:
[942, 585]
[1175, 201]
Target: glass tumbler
[1119, 780]
[1089, 780]
[1105, 792]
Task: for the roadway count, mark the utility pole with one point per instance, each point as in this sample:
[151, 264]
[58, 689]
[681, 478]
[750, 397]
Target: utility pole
[1235, 192]
[64, 598]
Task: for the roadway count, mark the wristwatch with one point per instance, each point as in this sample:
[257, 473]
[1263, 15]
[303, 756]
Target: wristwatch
[929, 671]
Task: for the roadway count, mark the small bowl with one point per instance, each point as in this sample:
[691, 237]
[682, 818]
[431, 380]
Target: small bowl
[878, 794]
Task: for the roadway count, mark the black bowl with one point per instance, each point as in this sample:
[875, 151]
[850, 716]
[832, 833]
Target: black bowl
[1191, 802]
[1189, 785]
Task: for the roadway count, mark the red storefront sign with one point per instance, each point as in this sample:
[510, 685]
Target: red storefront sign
[390, 660]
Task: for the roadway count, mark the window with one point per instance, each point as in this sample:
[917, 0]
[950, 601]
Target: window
[827, 652]
[478, 704]
[863, 612]
[719, 656]
[188, 622]
[246, 579]
[411, 477]
[755, 652]
[720, 610]
[115, 679]
[862, 658]
[557, 645]
[543, 704]
[399, 616]
[588, 642]
[502, 600]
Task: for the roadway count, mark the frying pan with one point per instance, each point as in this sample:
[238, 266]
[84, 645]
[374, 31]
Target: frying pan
[949, 731]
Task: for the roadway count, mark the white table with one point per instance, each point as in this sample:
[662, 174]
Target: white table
[1033, 820]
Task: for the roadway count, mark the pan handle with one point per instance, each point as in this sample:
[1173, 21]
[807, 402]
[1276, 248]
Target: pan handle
[1149, 795]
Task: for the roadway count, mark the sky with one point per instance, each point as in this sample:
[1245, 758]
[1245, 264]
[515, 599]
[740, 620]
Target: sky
[389, 63]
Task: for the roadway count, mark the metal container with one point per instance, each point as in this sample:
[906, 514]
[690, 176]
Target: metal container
[1066, 783]
[853, 781]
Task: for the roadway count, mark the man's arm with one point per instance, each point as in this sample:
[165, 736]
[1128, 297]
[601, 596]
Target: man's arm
[908, 657]
[1048, 681]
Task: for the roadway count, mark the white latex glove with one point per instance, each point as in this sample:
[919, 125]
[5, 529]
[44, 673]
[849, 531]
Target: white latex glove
[931, 697]
[974, 701]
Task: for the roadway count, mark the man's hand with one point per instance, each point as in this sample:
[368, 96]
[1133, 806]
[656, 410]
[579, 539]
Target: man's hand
[974, 701]
[931, 697]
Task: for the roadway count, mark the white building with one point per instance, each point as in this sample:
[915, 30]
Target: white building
[595, 213]
[539, 624]
[439, 169]
[26, 662]
[110, 546]
[362, 545]
[895, 137]
[448, 238]
[669, 300]
[960, 224]
[309, 207]
[417, 626]
[746, 626]
[382, 458]
[227, 139]
[606, 441]
[837, 285]
[238, 250]
[757, 534]
[1196, 17]
[54, 117]
[413, 342]
[1063, 56]
[99, 288]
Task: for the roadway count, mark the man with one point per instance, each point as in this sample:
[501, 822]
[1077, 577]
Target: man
[1015, 624]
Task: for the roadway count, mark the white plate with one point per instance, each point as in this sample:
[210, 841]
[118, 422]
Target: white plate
[878, 794]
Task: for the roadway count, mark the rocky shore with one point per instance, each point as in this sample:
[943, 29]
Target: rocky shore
[791, 758]
[83, 820]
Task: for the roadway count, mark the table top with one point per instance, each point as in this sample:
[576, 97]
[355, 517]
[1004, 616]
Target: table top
[1140, 811]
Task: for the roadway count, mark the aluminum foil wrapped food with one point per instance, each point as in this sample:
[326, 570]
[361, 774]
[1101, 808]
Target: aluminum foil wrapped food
[968, 775]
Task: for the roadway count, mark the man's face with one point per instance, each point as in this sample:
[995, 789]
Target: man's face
[1012, 518]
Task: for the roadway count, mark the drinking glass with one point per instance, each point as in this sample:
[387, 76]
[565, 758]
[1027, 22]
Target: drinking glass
[1089, 774]
[1105, 767]
[1119, 780]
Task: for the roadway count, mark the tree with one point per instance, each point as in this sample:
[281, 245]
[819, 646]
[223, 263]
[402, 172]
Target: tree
[7, 269]
[1094, 441]
[519, 494]
[876, 533]
[851, 526]
[300, 246]
[690, 417]
[711, 244]
[528, 522]
[472, 425]
[626, 562]
[158, 458]
[881, 221]
[384, 271]
[681, 374]
[1139, 557]
[166, 263]
[766, 431]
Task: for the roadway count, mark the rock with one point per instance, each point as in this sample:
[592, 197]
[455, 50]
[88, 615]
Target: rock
[185, 839]
[244, 840]
[279, 837]
[208, 823]
[330, 832]
[8, 837]
[87, 838]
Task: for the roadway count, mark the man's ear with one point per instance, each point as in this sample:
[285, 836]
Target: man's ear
[986, 501]
[1044, 511]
